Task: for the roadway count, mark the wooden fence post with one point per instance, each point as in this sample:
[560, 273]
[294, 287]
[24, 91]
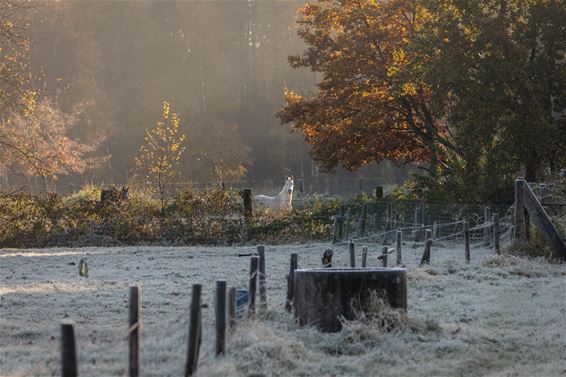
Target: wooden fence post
[262, 279]
[291, 281]
[134, 332]
[220, 317]
[352, 249]
[363, 220]
[336, 232]
[247, 203]
[69, 367]
[399, 236]
[520, 229]
[426, 253]
[254, 261]
[327, 258]
[364, 256]
[378, 192]
[384, 256]
[466, 242]
[496, 234]
[194, 331]
[232, 308]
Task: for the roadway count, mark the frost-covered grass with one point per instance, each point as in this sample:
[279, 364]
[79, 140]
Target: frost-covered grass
[497, 316]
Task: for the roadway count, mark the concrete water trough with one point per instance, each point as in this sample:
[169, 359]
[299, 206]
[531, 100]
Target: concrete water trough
[322, 295]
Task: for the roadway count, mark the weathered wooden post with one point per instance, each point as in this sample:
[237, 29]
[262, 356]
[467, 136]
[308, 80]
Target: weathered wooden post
[262, 279]
[69, 367]
[496, 234]
[232, 307]
[378, 192]
[194, 331]
[336, 229]
[291, 281]
[399, 236]
[364, 256]
[220, 317]
[254, 261]
[300, 186]
[352, 249]
[327, 258]
[466, 242]
[324, 295]
[242, 232]
[134, 332]
[384, 256]
[426, 253]
[520, 226]
[247, 194]
[486, 227]
[363, 219]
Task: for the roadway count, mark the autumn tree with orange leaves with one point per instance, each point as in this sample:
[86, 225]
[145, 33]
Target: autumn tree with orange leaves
[472, 88]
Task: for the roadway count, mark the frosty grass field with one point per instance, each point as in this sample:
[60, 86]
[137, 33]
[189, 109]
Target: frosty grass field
[497, 316]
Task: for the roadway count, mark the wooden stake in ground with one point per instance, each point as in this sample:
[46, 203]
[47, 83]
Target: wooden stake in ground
[364, 256]
[220, 317]
[69, 366]
[254, 262]
[134, 332]
[291, 281]
[466, 242]
[426, 253]
[336, 229]
[486, 228]
[363, 220]
[232, 308]
[262, 279]
[398, 239]
[194, 331]
[352, 248]
[327, 258]
[384, 256]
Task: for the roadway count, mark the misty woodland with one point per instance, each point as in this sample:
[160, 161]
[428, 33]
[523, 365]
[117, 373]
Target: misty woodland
[283, 188]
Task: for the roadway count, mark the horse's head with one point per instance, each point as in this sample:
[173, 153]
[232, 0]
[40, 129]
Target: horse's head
[289, 184]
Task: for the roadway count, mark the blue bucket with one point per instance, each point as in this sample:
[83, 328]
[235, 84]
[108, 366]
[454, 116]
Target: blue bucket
[242, 299]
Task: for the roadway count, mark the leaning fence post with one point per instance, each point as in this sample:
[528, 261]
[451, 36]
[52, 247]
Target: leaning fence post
[262, 279]
[496, 234]
[399, 236]
[467, 242]
[134, 332]
[291, 281]
[254, 261]
[384, 256]
[232, 308]
[220, 317]
[364, 256]
[69, 366]
[352, 249]
[194, 331]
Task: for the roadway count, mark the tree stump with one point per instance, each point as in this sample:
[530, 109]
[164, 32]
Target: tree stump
[322, 295]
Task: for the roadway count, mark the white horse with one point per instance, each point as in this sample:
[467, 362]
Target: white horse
[283, 200]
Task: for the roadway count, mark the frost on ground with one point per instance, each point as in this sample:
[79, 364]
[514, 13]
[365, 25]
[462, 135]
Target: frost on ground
[497, 316]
